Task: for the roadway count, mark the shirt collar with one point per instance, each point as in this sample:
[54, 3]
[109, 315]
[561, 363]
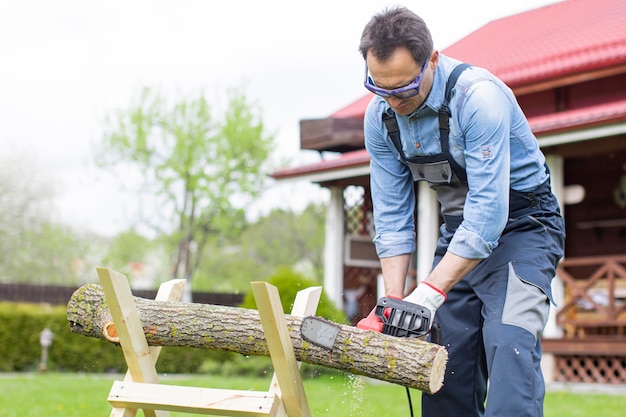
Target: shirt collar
[434, 100]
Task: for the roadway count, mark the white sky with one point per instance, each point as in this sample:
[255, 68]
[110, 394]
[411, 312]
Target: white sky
[66, 64]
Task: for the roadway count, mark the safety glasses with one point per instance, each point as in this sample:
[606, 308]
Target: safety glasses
[407, 91]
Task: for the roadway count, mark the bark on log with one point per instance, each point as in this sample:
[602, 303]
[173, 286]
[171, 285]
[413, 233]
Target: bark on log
[409, 362]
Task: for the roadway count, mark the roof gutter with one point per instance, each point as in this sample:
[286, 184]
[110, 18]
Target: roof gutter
[332, 175]
[582, 135]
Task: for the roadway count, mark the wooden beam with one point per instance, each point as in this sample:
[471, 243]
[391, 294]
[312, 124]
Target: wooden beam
[337, 135]
[304, 305]
[569, 80]
[197, 400]
[286, 367]
[588, 345]
[130, 330]
[168, 291]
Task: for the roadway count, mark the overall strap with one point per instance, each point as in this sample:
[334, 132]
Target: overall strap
[393, 131]
[454, 76]
[444, 115]
[444, 110]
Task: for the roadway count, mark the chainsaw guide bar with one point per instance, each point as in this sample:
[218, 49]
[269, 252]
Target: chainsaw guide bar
[319, 332]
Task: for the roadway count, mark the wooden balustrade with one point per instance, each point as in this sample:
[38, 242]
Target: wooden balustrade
[595, 296]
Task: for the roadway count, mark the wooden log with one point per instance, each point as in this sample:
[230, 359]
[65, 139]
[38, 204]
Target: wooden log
[410, 362]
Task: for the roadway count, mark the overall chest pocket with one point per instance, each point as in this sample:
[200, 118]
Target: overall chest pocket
[434, 172]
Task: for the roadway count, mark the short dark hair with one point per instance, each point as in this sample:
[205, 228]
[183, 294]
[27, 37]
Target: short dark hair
[394, 28]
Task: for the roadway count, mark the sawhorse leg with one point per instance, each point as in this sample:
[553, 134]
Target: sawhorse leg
[139, 356]
[287, 380]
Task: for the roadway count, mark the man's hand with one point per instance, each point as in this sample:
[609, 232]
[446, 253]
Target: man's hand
[429, 296]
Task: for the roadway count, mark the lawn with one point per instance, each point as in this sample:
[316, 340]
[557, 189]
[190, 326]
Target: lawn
[74, 395]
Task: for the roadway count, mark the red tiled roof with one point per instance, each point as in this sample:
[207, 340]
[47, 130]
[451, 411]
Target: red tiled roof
[355, 110]
[556, 40]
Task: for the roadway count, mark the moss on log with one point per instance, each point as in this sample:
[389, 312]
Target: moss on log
[409, 362]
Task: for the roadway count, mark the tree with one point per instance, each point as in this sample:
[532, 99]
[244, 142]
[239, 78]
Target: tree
[54, 253]
[126, 247]
[25, 196]
[285, 238]
[280, 239]
[141, 259]
[201, 170]
[33, 247]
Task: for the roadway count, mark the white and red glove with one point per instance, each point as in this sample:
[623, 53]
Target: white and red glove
[429, 296]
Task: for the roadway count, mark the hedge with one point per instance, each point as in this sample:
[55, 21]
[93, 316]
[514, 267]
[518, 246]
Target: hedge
[21, 351]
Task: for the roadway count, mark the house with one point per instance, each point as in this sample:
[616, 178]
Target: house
[566, 64]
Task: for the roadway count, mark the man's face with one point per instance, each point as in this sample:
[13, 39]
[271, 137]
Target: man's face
[401, 70]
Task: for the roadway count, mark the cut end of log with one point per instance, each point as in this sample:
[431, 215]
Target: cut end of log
[438, 370]
[109, 332]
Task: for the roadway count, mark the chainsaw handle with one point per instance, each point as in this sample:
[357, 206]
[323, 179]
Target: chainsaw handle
[401, 318]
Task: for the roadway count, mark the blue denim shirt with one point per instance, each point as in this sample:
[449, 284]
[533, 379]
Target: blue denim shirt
[489, 137]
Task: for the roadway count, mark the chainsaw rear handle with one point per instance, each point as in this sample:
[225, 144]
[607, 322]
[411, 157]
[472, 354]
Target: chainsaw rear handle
[403, 319]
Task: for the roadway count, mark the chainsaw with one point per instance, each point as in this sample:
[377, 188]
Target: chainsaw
[399, 318]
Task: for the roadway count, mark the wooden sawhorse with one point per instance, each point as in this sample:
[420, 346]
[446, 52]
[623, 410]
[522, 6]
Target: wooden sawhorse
[140, 388]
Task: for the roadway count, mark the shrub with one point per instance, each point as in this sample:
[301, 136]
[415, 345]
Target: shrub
[288, 283]
[22, 323]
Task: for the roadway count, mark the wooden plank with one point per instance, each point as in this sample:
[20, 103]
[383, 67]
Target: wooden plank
[304, 305]
[590, 345]
[306, 302]
[132, 339]
[168, 291]
[211, 401]
[280, 346]
[338, 135]
[590, 260]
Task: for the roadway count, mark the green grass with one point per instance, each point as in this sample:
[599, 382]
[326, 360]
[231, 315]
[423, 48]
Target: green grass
[70, 395]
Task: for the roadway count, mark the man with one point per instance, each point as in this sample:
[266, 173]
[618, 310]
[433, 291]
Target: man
[502, 236]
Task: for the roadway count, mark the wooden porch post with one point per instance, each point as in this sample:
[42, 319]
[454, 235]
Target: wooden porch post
[427, 229]
[333, 247]
[553, 330]
[555, 162]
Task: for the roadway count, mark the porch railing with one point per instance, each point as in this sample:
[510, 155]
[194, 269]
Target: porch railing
[595, 296]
